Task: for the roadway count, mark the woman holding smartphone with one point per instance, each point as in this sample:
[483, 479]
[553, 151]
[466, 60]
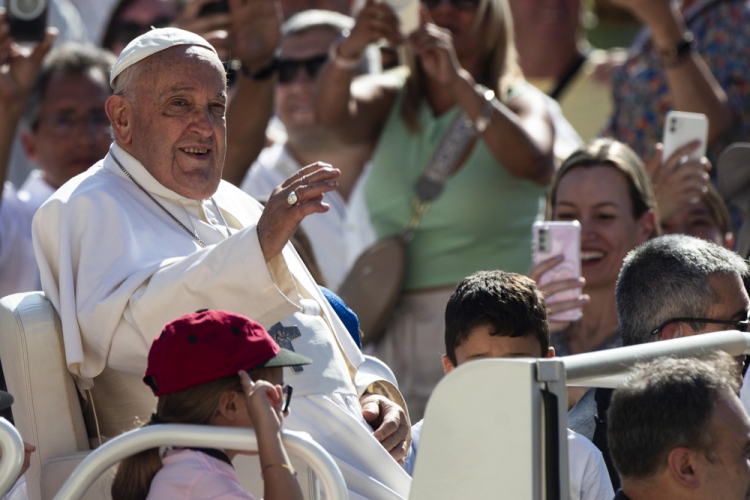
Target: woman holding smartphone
[605, 187]
[461, 62]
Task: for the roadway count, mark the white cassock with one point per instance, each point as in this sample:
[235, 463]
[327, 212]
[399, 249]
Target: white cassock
[117, 268]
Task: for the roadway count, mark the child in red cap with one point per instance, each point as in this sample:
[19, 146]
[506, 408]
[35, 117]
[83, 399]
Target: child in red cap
[198, 367]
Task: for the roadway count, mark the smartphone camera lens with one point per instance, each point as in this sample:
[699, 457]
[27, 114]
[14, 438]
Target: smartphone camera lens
[543, 239]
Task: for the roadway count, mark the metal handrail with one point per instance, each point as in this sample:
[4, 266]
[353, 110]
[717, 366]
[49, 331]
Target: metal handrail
[607, 368]
[13, 454]
[155, 436]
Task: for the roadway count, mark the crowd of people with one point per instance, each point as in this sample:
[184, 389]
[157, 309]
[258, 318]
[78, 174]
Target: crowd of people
[238, 158]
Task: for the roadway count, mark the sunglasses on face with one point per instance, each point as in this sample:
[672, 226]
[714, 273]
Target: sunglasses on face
[741, 325]
[288, 68]
[286, 389]
[467, 5]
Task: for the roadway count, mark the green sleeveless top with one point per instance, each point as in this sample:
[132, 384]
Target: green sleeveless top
[481, 221]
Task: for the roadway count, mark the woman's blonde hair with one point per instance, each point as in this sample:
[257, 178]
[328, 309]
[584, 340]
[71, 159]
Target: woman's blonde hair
[500, 69]
[620, 157]
[196, 405]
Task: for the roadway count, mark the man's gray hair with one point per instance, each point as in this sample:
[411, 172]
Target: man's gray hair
[665, 404]
[68, 59]
[340, 24]
[667, 277]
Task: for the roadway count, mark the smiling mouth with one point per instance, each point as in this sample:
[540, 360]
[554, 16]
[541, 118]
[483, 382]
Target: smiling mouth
[195, 151]
[587, 256]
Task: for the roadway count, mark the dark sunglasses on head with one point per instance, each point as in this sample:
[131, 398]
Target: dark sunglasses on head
[288, 68]
[456, 4]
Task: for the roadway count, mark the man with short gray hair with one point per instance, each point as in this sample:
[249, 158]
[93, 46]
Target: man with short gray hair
[669, 287]
[678, 285]
[678, 431]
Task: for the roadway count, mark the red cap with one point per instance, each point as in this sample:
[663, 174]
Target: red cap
[208, 345]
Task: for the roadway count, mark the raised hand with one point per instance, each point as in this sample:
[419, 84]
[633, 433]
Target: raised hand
[19, 68]
[434, 46]
[375, 21]
[255, 31]
[283, 212]
[678, 180]
[213, 27]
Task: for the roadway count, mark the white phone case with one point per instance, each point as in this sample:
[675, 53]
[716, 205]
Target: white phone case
[559, 238]
[681, 128]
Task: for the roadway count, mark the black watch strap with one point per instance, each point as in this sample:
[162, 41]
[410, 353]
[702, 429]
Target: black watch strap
[263, 73]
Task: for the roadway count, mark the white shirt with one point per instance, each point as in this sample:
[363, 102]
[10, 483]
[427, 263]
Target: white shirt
[18, 271]
[338, 236]
[588, 476]
[117, 268]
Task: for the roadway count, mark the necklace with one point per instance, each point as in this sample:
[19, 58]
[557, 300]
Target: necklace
[171, 216]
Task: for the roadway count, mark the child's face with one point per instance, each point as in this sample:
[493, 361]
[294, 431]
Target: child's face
[481, 345]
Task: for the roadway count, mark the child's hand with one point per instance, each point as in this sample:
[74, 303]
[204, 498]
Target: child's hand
[264, 402]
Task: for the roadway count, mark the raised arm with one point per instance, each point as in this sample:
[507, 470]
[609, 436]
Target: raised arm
[18, 74]
[254, 37]
[519, 134]
[358, 112]
[692, 85]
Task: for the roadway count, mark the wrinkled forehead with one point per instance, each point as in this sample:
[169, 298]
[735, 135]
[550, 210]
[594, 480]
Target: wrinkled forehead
[182, 61]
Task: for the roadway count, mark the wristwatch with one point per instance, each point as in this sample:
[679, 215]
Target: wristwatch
[482, 121]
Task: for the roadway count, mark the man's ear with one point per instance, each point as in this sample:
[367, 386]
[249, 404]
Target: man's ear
[684, 467]
[28, 141]
[672, 331]
[447, 365]
[119, 111]
[551, 352]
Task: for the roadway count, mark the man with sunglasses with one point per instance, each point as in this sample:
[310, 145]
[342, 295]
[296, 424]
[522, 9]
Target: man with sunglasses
[669, 287]
[339, 235]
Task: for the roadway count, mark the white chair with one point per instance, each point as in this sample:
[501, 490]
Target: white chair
[130, 443]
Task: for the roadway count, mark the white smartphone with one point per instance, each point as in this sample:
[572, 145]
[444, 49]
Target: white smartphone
[559, 238]
[681, 128]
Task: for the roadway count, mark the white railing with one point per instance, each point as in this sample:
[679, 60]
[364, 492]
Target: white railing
[204, 436]
[12, 461]
[610, 367]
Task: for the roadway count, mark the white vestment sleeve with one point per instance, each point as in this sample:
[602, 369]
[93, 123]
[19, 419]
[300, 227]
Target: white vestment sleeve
[133, 285]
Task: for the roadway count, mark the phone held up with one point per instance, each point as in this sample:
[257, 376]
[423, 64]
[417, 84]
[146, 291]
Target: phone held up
[27, 19]
[559, 238]
[681, 128]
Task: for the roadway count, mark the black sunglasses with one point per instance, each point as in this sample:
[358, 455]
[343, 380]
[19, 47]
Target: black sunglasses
[288, 68]
[456, 4]
[740, 325]
[286, 389]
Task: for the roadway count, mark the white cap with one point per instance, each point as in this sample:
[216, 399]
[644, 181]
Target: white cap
[152, 42]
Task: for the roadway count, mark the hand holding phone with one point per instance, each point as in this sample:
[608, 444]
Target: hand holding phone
[681, 128]
[557, 260]
[27, 19]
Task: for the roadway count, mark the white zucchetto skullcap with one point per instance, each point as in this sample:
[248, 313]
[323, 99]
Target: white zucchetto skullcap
[152, 42]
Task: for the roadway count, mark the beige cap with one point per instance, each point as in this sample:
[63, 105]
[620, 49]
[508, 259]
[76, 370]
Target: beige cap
[152, 42]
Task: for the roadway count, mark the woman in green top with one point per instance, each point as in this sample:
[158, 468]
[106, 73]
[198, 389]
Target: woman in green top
[482, 219]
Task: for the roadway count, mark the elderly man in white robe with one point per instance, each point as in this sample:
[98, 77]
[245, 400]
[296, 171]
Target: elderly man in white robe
[151, 233]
